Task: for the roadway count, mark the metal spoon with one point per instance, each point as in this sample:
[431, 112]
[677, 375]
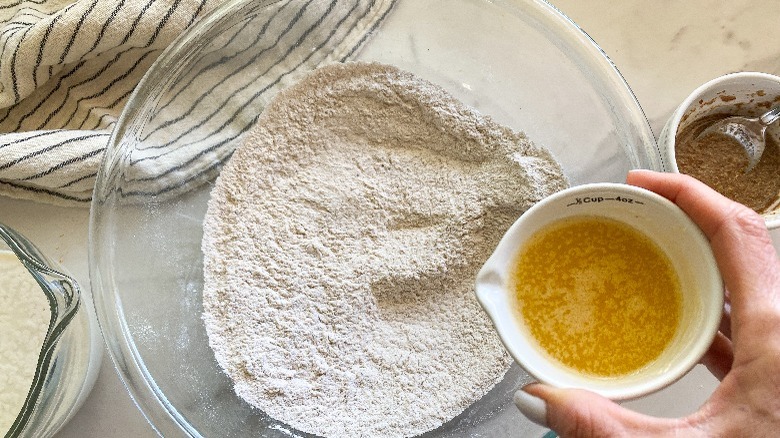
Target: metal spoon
[750, 133]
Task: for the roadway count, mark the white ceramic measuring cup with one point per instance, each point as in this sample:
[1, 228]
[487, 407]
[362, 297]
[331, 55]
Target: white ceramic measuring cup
[666, 225]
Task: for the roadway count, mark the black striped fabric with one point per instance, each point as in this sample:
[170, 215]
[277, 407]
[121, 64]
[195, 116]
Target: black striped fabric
[67, 69]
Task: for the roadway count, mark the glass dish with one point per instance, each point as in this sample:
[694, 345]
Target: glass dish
[71, 351]
[521, 62]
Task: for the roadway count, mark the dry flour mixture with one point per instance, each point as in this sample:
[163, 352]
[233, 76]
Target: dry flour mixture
[341, 244]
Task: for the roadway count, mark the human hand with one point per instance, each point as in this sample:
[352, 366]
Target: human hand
[745, 354]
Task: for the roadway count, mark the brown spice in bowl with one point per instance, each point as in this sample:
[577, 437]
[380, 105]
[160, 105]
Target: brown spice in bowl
[720, 162]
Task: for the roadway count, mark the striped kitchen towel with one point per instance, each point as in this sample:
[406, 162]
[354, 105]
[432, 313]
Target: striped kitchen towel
[68, 67]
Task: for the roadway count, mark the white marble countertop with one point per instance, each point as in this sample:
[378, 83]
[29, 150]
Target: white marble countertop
[663, 49]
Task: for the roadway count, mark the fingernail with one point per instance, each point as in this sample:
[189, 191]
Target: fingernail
[534, 408]
[636, 172]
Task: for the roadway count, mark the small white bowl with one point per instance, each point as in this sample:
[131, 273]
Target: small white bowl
[661, 221]
[743, 94]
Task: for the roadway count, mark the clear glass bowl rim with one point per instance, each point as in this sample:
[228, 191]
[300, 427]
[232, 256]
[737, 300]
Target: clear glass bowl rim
[152, 403]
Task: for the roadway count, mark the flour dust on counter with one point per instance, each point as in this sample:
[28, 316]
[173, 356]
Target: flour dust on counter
[24, 320]
[340, 247]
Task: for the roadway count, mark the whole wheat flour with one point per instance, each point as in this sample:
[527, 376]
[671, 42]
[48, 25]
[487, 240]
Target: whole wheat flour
[340, 248]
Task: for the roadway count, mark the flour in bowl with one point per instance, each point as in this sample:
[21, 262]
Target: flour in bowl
[341, 244]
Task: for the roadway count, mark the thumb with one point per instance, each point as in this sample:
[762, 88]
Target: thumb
[580, 413]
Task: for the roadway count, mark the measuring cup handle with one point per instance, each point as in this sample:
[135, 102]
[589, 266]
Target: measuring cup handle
[770, 116]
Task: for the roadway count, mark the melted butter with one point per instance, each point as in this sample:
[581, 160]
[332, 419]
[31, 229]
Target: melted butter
[597, 295]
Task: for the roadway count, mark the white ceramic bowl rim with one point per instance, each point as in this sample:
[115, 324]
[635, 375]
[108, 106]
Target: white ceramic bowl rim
[714, 83]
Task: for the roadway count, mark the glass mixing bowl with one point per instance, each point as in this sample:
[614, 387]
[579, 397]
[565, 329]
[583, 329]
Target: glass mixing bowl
[70, 355]
[521, 62]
